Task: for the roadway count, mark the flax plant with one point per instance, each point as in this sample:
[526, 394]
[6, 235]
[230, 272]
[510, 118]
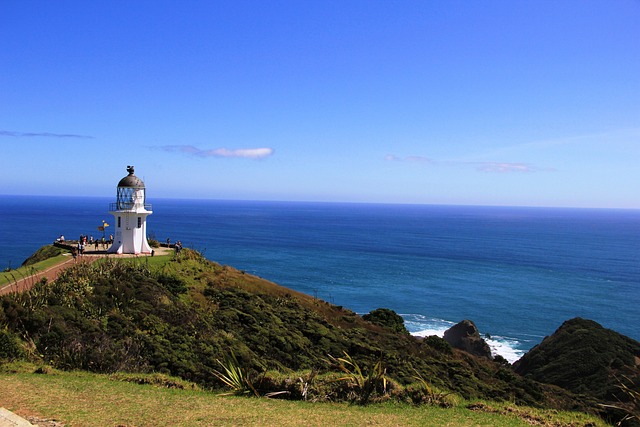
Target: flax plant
[432, 395]
[631, 410]
[367, 384]
[235, 377]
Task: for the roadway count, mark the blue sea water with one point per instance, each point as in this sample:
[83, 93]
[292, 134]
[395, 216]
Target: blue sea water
[517, 272]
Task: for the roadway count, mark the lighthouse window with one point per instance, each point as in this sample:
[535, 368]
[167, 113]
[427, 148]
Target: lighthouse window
[119, 222]
[139, 222]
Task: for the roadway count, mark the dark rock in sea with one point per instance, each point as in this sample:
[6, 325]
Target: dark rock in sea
[585, 358]
[465, 336]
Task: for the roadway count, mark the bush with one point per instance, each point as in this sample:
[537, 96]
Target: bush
[387, 318]
[174, 284]
[438, 344]
[9, 348]
[367, 383]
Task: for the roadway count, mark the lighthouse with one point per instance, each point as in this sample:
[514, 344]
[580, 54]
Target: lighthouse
[130, 216]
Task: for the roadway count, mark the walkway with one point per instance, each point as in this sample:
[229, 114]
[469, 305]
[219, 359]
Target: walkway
[9, 419]
[26, 283]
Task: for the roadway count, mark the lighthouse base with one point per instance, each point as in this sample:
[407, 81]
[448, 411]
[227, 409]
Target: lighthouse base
[130, 233]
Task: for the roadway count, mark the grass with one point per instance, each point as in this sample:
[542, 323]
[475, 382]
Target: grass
[81, 399]
[150, 261]
[21, 272]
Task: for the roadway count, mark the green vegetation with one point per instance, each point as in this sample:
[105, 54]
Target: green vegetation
[235, 377]
[9, 345]
[165, 317]
[85, 399]
[585, 358]
[29, 269]
[43, 254]
[178, 317]
[374, 381]
[629, 408]
[388, 319]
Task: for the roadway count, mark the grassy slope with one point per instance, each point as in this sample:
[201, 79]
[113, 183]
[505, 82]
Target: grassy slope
[22, 390]
[83, 399]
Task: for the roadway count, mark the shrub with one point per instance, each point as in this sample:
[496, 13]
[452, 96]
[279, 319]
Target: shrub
[174, 284]
[424, 393]
[373, 381]
[236, 377]
[438, 344]
[630, 405]
[9, 348]
[387, 318]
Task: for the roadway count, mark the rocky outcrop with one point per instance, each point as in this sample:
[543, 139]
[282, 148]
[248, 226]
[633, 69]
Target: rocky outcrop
[465, 336]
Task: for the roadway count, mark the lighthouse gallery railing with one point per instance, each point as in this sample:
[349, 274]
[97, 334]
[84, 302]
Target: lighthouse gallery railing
[128, 206]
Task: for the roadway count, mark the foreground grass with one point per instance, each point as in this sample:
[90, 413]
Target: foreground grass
[83, 399]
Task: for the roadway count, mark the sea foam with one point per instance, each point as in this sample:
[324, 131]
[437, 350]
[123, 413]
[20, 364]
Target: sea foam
[423, 326]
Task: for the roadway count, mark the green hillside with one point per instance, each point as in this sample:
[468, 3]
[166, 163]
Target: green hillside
[197, 320]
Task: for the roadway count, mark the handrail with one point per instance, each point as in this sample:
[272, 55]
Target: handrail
[128, 206]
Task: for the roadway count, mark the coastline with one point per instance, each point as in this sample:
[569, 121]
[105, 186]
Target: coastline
[516, 272]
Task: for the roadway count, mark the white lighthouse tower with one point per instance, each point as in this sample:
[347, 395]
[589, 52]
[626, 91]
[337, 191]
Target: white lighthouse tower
[130, 216]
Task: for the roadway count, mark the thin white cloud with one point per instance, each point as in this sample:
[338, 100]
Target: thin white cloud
[42, 134]
[418, 159]
[622, 139]
[251, 153]
[414, 159]
[502, 167]
[247, 153]
[491, 167]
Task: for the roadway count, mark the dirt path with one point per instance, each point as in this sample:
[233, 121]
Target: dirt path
[51, 273]
[26, 283]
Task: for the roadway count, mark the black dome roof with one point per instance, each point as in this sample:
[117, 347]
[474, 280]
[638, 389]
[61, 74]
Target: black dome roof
[131, 180]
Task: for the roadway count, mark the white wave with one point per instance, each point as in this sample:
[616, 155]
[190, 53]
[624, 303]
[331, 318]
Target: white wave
[505, 347]
[422, 326]
[429, 332]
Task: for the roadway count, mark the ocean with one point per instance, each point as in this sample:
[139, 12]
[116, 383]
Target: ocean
[517, 272]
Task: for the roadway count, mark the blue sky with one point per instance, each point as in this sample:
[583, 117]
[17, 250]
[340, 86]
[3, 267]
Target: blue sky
[533, 103]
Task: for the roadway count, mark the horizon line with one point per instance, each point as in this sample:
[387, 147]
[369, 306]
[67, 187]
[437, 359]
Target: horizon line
[337, 202]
